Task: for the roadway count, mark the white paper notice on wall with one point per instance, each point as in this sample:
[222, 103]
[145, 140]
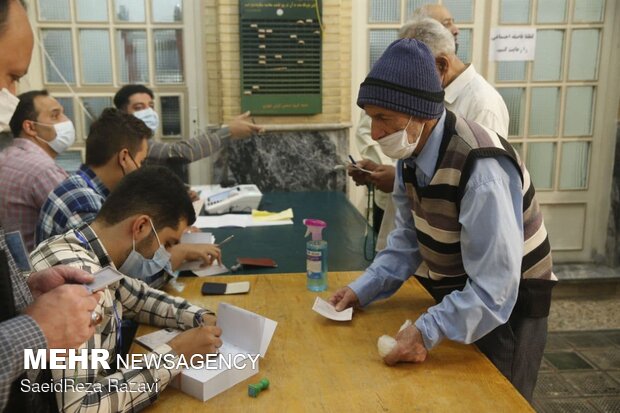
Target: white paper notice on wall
[509, 44]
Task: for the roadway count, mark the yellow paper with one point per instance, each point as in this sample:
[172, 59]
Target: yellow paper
[272, 216]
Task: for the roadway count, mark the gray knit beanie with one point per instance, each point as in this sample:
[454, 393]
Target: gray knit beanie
[405, 80]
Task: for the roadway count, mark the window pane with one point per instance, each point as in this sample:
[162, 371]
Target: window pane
[170, 115]
[95, 56]
[414, 4]
[384, 11]
[544, 111]
[462, 10]
[464, 45]
[168, 56]
[92, 10]
[167, 11]
[574, 165]
[515, 11]
[518, 147]
[551, 11]
[540, 163]
[132, 56]
[69, 160]
[54, 10]
[515, 102]
[67, 104]
[94, 106]
[58, 45]
[507, 71]
[379, 41]
[589, 10]
[129, 10]
[578, 112]
[583, 55]
[548, 59]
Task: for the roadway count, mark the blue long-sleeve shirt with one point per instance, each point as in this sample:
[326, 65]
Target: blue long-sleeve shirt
[491, 246]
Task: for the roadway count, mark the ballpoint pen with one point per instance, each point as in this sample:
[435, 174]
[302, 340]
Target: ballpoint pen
[225, 241]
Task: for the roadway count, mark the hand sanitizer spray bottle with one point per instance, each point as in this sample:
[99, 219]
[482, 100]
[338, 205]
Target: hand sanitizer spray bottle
[316, 256]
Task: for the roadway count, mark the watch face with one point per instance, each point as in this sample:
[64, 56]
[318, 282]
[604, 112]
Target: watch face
[18, 251]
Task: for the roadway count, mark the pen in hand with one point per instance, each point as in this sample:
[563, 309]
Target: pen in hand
[356, 166]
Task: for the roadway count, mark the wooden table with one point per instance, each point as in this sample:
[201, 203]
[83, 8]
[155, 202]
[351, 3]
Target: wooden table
[318, 365]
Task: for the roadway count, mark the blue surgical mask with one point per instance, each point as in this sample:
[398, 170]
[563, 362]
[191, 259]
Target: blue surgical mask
[149, 117]
[137, 266]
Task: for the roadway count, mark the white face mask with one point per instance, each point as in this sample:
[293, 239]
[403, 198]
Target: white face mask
[149, 117]
[8, 104]
[65, 136]
[396, 145]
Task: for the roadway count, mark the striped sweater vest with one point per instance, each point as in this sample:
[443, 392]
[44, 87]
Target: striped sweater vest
[435, 210]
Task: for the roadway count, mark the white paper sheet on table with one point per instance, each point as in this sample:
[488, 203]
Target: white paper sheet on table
[235, 220]
[328, 311]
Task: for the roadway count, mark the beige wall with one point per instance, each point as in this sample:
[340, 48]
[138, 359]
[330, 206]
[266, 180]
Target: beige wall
[221, 59]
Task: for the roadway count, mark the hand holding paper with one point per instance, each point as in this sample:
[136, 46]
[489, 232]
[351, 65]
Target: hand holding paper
[329, 311]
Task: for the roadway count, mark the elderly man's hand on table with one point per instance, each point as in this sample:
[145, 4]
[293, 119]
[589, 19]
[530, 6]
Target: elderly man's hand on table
[409, 347]
[343, 299]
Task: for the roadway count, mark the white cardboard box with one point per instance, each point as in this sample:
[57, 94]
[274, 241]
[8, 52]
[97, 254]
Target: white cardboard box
[245, 334]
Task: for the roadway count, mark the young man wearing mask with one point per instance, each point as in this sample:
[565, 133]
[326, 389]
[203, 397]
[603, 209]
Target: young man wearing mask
[138, 100]
[27, 168]
[116, 146]
[147, 212]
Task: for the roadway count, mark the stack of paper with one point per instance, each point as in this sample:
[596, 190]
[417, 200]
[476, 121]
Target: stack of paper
[236, 220]
[244, 334]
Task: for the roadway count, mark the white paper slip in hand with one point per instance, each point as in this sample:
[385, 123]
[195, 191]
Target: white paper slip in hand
[329, 311]
[103, 278]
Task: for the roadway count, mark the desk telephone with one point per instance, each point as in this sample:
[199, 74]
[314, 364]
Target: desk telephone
[240, 198]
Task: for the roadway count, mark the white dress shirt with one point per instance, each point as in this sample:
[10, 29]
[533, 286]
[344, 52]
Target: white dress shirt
[472, 97]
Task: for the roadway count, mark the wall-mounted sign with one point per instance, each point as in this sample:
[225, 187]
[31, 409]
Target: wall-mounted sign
[512, 44]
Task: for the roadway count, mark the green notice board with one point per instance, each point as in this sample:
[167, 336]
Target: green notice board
[280, 44]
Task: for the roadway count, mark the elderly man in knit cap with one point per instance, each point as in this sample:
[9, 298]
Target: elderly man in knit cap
[468, 225]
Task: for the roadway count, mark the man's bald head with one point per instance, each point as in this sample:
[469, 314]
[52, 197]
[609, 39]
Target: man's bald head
[439, 13]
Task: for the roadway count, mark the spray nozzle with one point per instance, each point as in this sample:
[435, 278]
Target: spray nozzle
[315, 227]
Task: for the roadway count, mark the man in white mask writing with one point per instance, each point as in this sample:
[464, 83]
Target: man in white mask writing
[27, 168]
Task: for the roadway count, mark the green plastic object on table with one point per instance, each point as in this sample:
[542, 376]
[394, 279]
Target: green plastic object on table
[255, 389]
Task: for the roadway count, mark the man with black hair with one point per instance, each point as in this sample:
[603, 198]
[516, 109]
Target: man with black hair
[38, 312]
[27, 168]
[116, 146]
[138, 100]
[147, 212]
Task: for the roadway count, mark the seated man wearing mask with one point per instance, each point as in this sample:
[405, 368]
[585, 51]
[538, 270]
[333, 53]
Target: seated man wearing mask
[116, 146]
[147, 213]
[27, 168]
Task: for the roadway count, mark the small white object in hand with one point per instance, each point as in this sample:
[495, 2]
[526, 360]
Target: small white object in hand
[386, 343]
